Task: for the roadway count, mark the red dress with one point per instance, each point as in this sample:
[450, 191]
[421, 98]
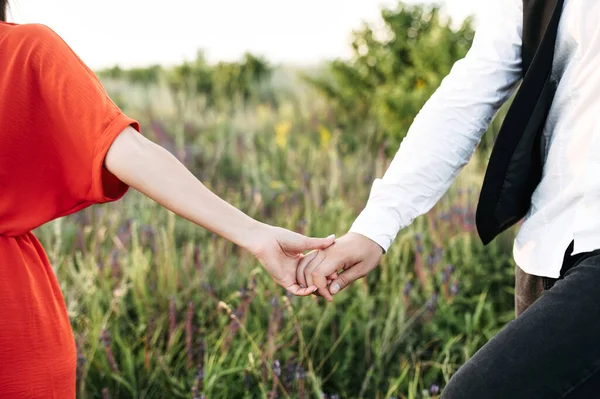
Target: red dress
[56, 125]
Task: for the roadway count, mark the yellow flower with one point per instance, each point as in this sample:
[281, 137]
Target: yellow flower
[282, 130]
[276, 184]
[420, 84]
[325, 136]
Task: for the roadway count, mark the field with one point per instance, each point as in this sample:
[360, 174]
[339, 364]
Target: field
[161, 308]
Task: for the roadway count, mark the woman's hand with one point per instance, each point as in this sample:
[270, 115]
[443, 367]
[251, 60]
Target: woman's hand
[280, 251]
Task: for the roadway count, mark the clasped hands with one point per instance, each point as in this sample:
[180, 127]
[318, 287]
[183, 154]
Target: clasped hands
[330, 267]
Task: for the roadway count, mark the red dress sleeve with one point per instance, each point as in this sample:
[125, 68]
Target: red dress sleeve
[57, 126]
[83, 119]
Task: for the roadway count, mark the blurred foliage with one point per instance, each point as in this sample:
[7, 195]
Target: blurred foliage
[224, 85]
[393, 71]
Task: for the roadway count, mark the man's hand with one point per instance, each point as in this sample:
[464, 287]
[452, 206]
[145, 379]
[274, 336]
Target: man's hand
[354, 254]
[280, 251]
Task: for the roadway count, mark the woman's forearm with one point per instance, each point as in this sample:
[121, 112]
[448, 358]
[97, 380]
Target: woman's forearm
[155, 172]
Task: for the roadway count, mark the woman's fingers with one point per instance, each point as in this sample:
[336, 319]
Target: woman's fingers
[299, 291]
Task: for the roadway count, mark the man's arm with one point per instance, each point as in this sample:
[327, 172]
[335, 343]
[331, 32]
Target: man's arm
[441, 140]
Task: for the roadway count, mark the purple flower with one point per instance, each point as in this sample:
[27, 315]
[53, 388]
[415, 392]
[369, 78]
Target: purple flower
[432, 301]
[430, 261]
[445, 216]
[438, 253]
[276, 368]
[434, 389]
[247, 380]
[300, 373]
[407, 288]
[454, 288]
[106, 341]
[447, 273]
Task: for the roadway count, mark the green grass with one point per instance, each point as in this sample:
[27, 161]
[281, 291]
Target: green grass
[162, 308]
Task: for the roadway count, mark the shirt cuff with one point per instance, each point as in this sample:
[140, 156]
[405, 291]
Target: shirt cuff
[377, 224]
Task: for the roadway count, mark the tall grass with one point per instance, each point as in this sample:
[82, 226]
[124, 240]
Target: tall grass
[162, 308]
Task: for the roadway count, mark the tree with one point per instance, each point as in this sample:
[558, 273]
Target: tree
[392, 72]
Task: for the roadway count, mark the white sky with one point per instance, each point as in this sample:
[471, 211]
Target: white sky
[141, 32]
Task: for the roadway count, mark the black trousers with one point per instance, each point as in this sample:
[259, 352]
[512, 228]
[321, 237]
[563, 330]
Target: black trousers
[551, 351]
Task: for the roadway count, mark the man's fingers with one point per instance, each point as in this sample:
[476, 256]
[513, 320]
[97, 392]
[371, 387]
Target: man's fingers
[346, 278]
[303, 264]
[318, 274]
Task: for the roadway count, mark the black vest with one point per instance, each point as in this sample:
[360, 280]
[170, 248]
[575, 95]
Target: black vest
[515, 166]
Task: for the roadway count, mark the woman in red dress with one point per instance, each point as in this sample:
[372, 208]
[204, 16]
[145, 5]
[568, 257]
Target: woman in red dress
[64, 146]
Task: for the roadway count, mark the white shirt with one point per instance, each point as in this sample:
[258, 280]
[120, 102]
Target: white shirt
[566, 204]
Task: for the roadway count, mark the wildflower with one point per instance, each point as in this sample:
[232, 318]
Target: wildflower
[207, 287]
[431, 302]
[438, 253]
[172, 317]
[325, 136]
[195, 394]
[150, 328]
[80, 360]
[300, 373]
[454, 288]
[430, 261]
[419, 243]
[114, 262]
[282, 130]
[119, 292]
[447, 273]
[106, 341]
[289, 375]
[188, 333]
[407, 288]
[197, 262]
[434, 389]
[198, 384]
[445, 216]
[276, 368]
